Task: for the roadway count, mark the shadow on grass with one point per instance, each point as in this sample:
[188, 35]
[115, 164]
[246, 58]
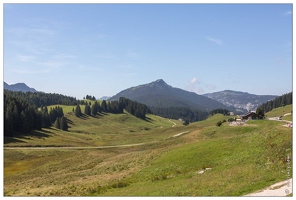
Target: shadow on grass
[12, 140]
[98, 115]
[148, 119]
[69, 121]
[40, 134]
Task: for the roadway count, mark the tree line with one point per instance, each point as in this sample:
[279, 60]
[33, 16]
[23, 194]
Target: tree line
[220, 110]
[183, 113]
[280, 101]
[41, 99]
[137, 109]
[54, 117]
[22, 117]
[89, 97]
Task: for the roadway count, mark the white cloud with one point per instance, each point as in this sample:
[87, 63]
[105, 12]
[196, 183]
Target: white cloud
[33, 33]
[83, 68]
[195, 85]
[287, 13]
[215, 40]
[193, 80]
[24, 58]
[198, 86]
[32, 71]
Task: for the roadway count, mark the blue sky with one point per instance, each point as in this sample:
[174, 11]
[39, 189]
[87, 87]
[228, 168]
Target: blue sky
[101, 49]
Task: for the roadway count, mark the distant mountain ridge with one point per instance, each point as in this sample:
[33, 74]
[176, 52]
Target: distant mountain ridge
[18, 87]
[240, 100]
[160, 94]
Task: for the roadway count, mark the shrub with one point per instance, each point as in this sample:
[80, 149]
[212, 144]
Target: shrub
[219, 123]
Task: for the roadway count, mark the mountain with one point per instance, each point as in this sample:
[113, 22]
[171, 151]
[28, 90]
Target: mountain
[240, 100]
[18, 87]
[104, 98]
[160, 94]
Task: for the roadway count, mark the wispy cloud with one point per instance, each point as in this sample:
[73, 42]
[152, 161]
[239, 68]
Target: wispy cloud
[193, 80]
[42, 71]
[287, 13]
[215, 40]
[104, 56]
[198, 86]
[34, 33]
[195, 85]
[63, 56]
[23, 58]
[89, 68]
[30, 46]
[133, 54]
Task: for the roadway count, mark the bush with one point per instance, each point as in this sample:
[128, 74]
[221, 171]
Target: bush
[186, 122]
[219, 123]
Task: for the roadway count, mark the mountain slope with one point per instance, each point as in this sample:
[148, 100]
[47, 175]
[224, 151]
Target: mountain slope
[240, 100]
[160, 94]
[18, 87]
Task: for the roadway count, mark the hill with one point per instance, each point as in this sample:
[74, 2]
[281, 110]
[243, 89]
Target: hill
[240, 100]
[84, 162]
[161, 95]
[285, 99]
[18, 87]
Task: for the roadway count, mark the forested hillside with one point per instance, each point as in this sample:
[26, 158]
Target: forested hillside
[167, 101]
[159, 94]
[40, 99]
[280, 101]
[183, 113]
[24, 112]
[21, 116]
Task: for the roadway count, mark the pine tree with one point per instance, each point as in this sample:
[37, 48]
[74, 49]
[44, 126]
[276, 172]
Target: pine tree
[63, 124]
[77, 111]
[104, 106]
[46, 121]
[24, 123]
[94, 109]
[57, 123]
[87, 110]
[8, 121]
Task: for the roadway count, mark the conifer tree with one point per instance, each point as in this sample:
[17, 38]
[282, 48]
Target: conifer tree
[77, 111]
[8, 122]
[57, 123]
[104, 106]
[87, 110]
[63, 124]
[94, 109]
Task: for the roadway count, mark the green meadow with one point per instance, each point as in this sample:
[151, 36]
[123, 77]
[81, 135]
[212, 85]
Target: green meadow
[239, 159]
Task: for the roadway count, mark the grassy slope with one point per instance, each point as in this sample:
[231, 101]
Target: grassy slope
[102, 130]
[243, 159]
[281, 111]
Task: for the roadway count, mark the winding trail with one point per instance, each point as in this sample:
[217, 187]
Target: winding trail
[174, 124]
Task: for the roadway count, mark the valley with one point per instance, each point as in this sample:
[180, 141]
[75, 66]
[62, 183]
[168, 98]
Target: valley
[121, 155]
[147, 99]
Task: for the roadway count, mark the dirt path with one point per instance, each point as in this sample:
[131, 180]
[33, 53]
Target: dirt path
[282, 188]
[99, 147]
[174, 124]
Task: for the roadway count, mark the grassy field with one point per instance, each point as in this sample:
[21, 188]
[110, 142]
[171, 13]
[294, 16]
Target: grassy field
[281, 111]
[103, 130]
[242, 158]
